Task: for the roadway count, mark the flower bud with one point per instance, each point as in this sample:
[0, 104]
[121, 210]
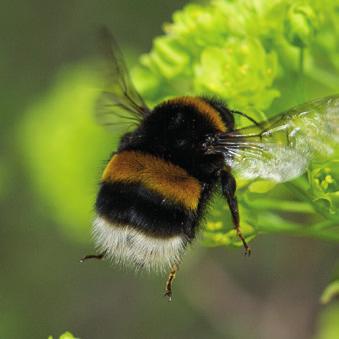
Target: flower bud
[301, 25]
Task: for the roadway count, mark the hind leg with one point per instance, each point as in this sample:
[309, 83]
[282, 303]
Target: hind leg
[228, 185]
[169, 283]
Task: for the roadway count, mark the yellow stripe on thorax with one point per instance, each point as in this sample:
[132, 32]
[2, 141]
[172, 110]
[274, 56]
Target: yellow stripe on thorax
[161, 176]
[203, 108]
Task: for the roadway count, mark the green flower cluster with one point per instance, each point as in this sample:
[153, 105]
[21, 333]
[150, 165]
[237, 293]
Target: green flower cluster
[237, 50]
[258, 56]
[325, 184]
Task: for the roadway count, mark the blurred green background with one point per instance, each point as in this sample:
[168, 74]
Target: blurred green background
[52, 157]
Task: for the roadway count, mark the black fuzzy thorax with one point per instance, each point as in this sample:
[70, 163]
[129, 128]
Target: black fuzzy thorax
[173, 132]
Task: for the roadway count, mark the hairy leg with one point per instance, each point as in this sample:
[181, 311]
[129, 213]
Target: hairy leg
[229, 187]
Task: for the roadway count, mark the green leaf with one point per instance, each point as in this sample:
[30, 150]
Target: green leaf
[330, 292]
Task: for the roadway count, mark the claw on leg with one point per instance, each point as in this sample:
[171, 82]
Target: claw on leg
[171, 277]
[229, 186]
[93, 256]
[248, 250]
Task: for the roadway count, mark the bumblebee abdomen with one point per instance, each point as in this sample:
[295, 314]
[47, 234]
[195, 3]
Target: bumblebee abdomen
[146, 200]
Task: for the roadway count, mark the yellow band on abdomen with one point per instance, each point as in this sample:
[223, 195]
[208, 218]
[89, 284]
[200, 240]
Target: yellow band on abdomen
[163, 177]
[204, 109]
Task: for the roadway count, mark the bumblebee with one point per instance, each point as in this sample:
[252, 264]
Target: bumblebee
[154, 190]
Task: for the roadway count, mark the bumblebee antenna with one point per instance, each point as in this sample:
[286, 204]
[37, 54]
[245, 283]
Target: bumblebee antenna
[246, 116]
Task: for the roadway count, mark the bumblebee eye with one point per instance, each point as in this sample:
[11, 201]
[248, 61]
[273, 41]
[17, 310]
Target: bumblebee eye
[208, 142]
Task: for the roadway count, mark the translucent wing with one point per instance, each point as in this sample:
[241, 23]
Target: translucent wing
[119, 102]
[281, 148]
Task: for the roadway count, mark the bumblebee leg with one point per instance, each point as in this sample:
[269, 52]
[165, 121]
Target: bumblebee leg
[171, 277]
[229, 187]
[93, 256]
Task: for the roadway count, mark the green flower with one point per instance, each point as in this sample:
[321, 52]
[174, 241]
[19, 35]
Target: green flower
[325, 184]
[223, 237]
[196, 26]
[206, 50]
[167, 58]
[219, 230]
[240, 71]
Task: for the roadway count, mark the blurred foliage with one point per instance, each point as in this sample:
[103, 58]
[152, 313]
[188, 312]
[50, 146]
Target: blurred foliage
[331, 291]
[328, 323]
[3, 179]
[65, 149]
[66, 335]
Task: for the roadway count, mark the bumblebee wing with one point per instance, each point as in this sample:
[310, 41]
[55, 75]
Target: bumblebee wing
[119, 102]
[281, 148]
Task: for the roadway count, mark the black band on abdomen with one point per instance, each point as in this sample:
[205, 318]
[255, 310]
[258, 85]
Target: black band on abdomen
[145, 210]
